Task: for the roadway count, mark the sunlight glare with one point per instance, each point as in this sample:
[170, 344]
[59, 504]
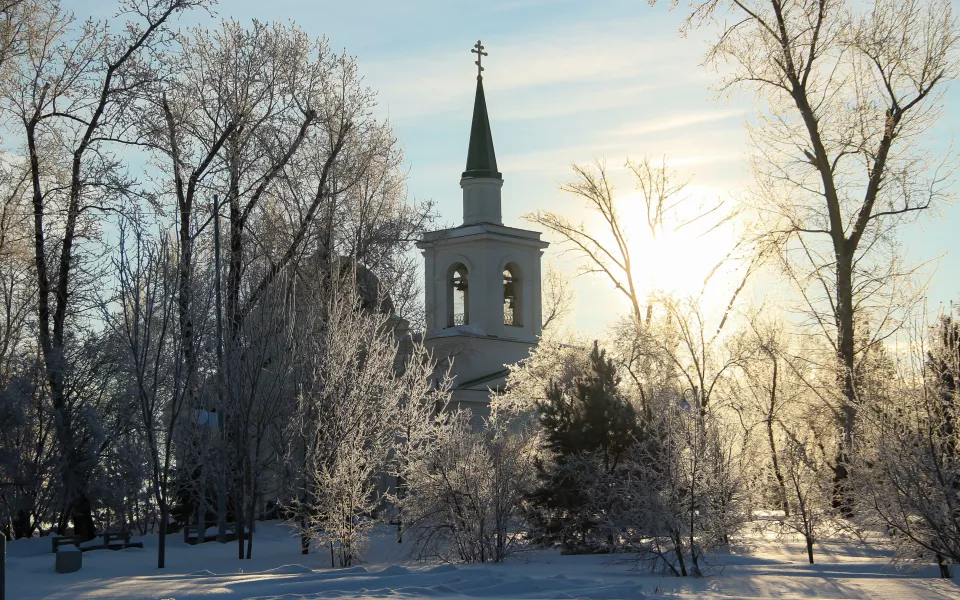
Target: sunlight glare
[676, 261]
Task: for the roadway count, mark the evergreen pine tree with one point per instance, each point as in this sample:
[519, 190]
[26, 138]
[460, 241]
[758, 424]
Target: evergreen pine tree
[588, 420]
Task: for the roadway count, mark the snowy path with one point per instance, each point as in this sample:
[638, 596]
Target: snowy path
[771, 569]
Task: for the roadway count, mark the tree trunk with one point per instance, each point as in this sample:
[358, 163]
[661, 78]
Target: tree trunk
[81, 513]
[184, 302]
[781, 480]
[678, 550]
[72, 476]
[304, 538]
[845, 359]
[234, 271]
[944, 567]
[251, 517]
[240, 527]
[162, 531]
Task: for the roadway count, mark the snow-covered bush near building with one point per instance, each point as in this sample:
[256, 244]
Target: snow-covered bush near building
[463, 498]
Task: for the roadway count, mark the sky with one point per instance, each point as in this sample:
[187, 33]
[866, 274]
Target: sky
[566, 82]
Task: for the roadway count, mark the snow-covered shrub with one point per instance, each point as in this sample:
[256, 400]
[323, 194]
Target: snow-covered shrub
[463, 498]
[676, 499]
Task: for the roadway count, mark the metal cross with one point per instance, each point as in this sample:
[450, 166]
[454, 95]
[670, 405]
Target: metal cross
[478, 50]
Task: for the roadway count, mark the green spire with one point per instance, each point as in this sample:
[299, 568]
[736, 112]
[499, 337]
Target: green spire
[481, 160]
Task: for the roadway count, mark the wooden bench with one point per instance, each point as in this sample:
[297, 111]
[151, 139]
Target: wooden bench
[191, 534]
[112, 540]
[64, 540]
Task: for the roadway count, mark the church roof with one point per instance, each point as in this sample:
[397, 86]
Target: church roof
[498, 374]
[481, 160]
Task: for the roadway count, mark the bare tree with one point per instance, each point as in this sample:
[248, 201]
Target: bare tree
[662, 191]
[610, 258]
[558, 296]
[845, 95]
[608, 251]
[294, 103]
[150, 347]
[67, 98]
[763, 393]
[260, 363]
[691, 355]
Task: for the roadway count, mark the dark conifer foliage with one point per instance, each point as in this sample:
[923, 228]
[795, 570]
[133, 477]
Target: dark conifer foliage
[589, 419]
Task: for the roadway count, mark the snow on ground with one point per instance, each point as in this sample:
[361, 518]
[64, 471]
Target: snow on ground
[768, 569]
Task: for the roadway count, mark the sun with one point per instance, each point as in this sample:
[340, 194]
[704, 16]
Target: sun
[681, 261]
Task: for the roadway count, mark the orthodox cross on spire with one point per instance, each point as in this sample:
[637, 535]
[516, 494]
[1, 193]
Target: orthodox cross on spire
[481, 160]
[478, 50]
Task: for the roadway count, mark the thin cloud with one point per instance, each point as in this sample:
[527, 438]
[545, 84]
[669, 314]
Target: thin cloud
[676, 122]
[616, 63]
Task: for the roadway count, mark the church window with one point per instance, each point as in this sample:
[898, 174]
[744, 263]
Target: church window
[458, 297]
[511, 296]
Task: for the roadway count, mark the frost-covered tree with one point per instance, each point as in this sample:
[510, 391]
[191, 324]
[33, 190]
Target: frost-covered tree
[845, 93]
[64, 101]
[908, 468]
[786, 408]
[28, 453]
[556, 358]
[364, 407]
[669, 506]
[806, 465]
[274, 131]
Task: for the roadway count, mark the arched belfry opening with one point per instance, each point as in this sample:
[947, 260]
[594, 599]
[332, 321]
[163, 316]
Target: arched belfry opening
[512, 296]
[458, 296]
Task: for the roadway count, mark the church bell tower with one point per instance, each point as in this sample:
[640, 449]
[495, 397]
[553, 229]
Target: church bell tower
[482, 277]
